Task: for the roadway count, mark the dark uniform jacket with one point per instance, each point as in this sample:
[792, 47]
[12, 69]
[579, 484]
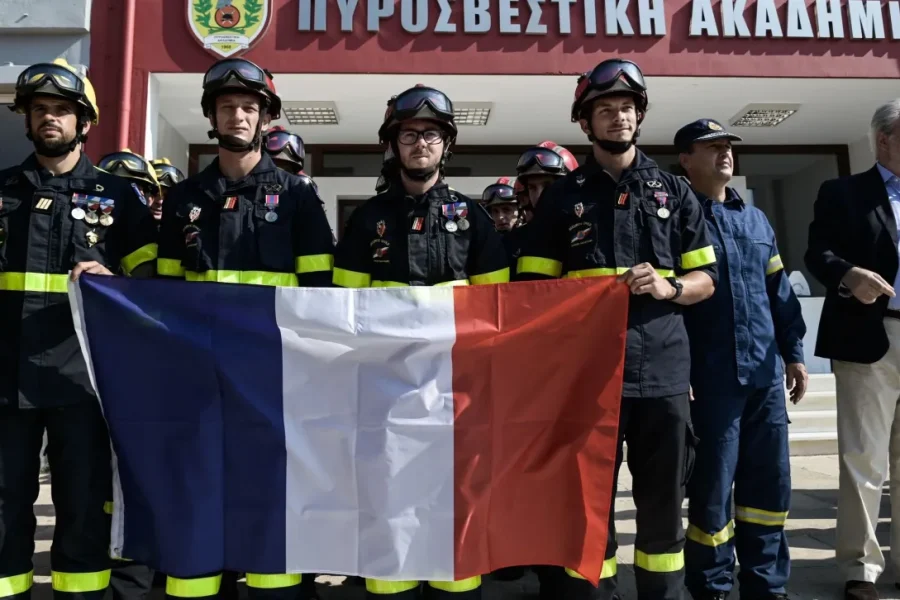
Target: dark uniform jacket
[753, 323]
[267, 229]
[512, 242]
[394, 239]
[853, 226]
[588, 225]
[41, 364]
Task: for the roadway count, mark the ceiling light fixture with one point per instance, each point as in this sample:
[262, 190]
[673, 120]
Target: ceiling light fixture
[310, 113]
[763, 115]
[474, 114]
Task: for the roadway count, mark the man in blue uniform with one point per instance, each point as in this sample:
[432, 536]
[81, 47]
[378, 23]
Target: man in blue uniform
[739, 338]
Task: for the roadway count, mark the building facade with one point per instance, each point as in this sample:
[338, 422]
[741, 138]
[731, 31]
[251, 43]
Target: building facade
[798, 79]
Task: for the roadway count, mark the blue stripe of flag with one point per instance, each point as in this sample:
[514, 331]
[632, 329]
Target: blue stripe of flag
[190, 376]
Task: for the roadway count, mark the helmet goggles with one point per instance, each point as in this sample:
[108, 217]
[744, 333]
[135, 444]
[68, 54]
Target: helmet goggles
[604, 77]
[285, 141]
[35, 76]
[498, 193]
[245, 71]
[408, 104]
[168, 175]
[536, 161]
[132, 164]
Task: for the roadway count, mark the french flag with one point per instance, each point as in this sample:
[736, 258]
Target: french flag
[420, 433]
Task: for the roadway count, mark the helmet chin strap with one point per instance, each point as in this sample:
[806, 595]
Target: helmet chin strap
[614, 147]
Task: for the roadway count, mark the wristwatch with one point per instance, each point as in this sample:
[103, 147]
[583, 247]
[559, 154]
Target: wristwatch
[676, 283]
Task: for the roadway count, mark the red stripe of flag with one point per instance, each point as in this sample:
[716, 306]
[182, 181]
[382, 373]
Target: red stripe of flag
[537, 379]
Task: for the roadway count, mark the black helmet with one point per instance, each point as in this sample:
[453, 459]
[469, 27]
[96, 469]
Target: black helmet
[420, 102]
[613, 76]
[239, 75]
[281, 144]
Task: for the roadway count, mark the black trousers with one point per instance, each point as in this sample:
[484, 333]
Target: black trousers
[130, 580]
[78, 449]
[661, 450]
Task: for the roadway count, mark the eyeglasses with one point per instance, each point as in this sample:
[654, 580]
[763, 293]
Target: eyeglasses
[546, 159]
[408, 137]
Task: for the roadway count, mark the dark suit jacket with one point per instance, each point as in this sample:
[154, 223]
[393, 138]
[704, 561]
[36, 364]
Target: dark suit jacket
[853, 226]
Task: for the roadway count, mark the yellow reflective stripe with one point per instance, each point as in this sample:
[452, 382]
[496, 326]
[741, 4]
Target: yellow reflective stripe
[453, 283]
[711, 539]
[17, 584]
[80, 583]
[499, 276]
[610, 568]
[458, 587]
[541, 266]
[245, 277]
[108, 508]
[139, 257]
[193, 588]
[34, 282]
[698, 258]
[759, 516]
[659, 563]
[388, 284]
[609, 272]
[271, 582]
[169, 267]
[377, 586]
[775, 265]
[350, 279]
[315, 263]
[580, 273]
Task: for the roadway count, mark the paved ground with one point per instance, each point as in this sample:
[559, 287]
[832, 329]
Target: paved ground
[811, 528]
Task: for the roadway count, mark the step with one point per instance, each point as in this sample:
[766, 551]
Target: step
[813, 443]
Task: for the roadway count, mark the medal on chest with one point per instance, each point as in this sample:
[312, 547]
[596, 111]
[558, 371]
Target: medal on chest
[662, 199]
[271, 204]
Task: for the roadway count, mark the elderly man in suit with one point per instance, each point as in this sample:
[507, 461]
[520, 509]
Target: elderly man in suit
[853, 252]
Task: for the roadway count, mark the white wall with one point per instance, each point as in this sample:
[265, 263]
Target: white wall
[798, 195]
[170, 144]
[861, 157]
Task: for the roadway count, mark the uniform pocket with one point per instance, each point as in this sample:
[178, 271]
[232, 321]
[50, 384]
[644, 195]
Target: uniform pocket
[274, 243]
[690, 453]
[658, 237]
[88, 242]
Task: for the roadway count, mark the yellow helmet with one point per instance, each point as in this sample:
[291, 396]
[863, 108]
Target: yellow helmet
[129, 165]
[167, 174]
[58, 78]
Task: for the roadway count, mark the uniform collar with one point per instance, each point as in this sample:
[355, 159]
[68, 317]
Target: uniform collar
[732, 199]
[591, 168]
[84, 171]
[886, 175]
[212, 177]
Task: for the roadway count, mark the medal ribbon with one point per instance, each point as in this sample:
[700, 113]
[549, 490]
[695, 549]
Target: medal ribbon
[107, 205]
[271, 201]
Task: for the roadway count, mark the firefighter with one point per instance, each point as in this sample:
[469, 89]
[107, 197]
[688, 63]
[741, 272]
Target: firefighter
[168, 176]
[526, 210]
[58, 214]
[739, 338]
[619, 215]
[243, 220]
[139, 172]
[420, 232]
[541, 165]
[501, 203]
[286, 149]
